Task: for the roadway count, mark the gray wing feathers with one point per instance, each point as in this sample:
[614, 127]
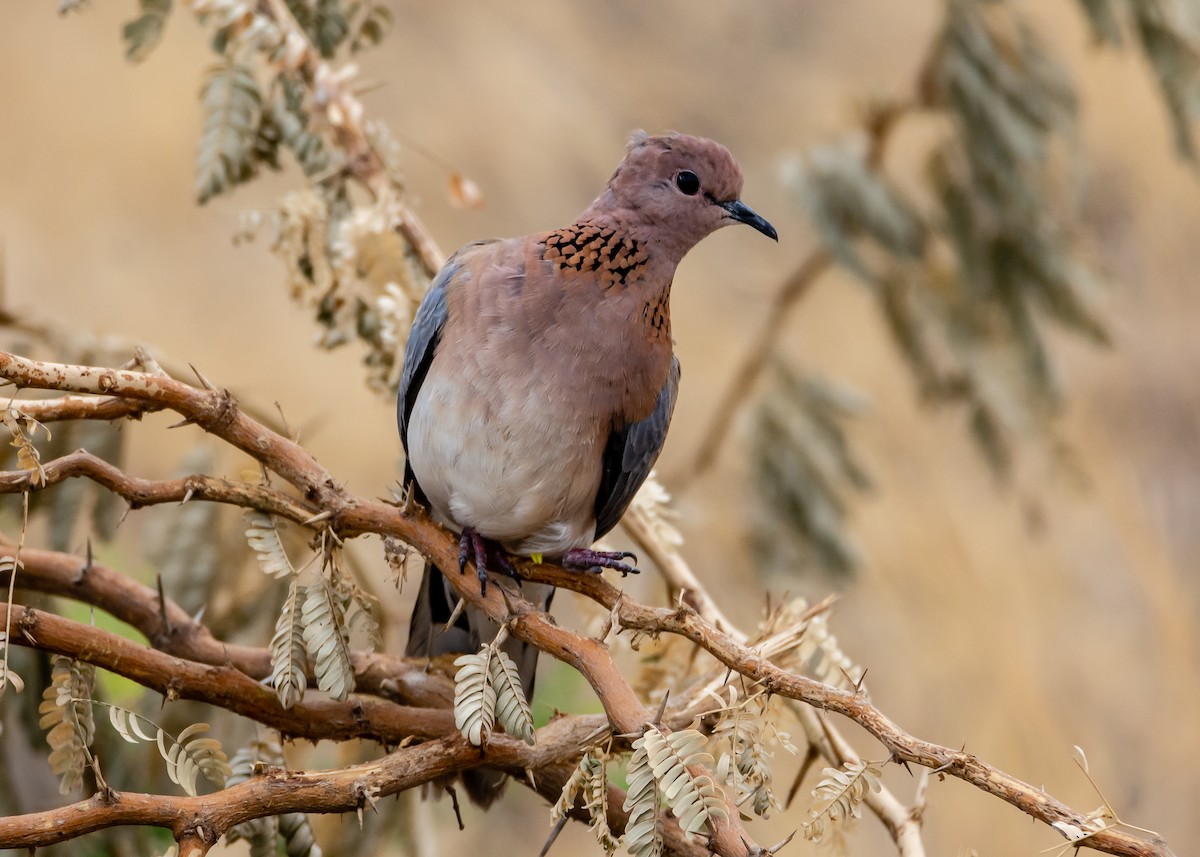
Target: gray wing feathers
[629, 455]
[422, 343]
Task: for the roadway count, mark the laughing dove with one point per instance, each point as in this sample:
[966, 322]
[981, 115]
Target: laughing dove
[539, 380]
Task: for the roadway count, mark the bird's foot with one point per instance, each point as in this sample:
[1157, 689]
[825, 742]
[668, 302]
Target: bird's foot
[586, 559]
[488, 555]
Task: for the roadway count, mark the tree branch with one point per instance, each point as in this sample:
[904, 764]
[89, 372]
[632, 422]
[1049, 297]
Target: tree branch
[138, 605]
[314, 718]
[349, 516]
[551, 760]
[147, 492]
[85, 408]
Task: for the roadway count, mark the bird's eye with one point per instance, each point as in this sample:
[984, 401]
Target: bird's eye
[687, 182]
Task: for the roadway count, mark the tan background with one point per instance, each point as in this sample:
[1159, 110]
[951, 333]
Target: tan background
[976, 627]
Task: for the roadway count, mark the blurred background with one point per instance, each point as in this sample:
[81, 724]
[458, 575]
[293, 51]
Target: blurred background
[1016, 616]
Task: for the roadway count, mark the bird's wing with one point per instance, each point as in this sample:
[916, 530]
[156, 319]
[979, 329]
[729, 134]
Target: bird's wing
[630, 453]
[426, 333]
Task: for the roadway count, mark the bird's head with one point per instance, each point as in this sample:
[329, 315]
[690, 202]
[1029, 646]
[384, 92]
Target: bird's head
[682, 188]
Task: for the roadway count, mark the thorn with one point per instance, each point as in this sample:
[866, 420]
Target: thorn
[200, 376]
[508, 606]
[317, 518]
[454, 803]
[86, 568]
[162, 606]
[805, 767]
[454, 614]
[287, 430]
[774, 849]
[186, 421]
[557, 829]
[661, 708]
[858, 685]
[200, 613]
[187, 496]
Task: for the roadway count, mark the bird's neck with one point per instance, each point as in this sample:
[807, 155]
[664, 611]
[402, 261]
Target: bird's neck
[623, 269]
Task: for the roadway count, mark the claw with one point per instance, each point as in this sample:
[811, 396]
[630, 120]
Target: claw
[585, 559]
[503, 563]
[488, 555]
[464, 550]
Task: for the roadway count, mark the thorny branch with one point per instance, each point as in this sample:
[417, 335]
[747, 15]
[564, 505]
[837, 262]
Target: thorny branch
[348, 516]
[345, 790]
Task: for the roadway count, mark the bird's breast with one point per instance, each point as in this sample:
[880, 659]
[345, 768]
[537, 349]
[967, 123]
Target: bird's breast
[518, 461]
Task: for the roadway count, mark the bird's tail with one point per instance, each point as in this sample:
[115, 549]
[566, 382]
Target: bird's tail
[429, 636]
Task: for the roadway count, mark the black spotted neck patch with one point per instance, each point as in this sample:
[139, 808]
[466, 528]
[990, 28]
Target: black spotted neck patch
[589, 247]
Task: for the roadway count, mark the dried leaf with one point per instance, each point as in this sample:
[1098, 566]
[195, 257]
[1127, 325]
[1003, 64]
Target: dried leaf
[589, 780]
[464, 193]
[841, 791]
[694, 799]
[289, 659]
[66, 710]
[263, 538]
[474, 696]
[7, 676]
[512, 708]
[188, 756]
[848, 200]
[263, 834]
[643, 831]
[805, 475]
[372, 27]
[748, 733]
[327, 639]
[23, 429]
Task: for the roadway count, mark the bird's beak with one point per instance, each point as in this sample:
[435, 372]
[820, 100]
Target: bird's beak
[743, 213]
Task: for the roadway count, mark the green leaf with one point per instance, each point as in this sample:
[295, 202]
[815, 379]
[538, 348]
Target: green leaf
[231, 117]
[143, 33]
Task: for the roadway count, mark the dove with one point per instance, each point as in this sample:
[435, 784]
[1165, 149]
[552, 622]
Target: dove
[540, 377]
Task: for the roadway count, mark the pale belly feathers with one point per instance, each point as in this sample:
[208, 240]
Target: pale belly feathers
[505, 466]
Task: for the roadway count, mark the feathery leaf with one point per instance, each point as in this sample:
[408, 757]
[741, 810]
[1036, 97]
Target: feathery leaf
[842, 791]
[474, 696]
[66, 710]
[695, 799]
[289, 658]
[643, 832]
[512, 708]
[231, 116]
[189, 755]
[326, 637]
[263, 538]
